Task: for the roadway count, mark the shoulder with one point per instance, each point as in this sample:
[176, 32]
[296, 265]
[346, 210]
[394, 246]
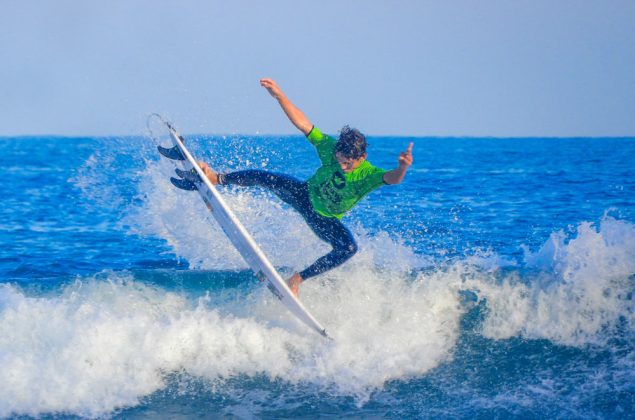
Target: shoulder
[366, 169]
[369, 176]
[316, 136]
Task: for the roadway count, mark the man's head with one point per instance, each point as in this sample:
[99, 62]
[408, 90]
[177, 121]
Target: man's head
[350, 150]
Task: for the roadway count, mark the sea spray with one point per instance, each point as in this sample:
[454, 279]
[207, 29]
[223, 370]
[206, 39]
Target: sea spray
[103, 344]
[581, 291]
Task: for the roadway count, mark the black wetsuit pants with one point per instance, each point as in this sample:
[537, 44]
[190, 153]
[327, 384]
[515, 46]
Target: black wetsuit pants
[296, 193]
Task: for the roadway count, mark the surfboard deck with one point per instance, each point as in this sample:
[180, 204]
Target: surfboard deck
[190, 177]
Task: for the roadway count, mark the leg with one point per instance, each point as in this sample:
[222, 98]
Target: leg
[290, 190]
[332, 231]
[295, 193]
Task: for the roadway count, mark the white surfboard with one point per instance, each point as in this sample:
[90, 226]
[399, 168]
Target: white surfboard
[192, 178]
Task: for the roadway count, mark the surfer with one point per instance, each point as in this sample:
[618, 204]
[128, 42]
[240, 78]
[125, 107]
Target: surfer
[344, 178]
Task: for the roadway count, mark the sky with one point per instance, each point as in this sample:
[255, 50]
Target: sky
[406, 68]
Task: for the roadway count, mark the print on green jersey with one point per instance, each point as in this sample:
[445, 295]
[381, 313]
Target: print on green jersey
[332, 191]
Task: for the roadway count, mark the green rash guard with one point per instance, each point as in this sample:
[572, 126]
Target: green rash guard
[332, 191]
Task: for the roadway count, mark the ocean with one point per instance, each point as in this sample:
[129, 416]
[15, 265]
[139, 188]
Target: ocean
[496, 281]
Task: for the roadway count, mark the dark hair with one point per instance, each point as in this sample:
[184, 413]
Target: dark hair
[352, 143]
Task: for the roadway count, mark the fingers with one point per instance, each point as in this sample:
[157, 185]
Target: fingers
[271, 86]
[408, 151]
[267, 83]
[405, 157]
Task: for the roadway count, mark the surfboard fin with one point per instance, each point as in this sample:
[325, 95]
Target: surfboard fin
[190, 175]
[183, 184]
[172, 153]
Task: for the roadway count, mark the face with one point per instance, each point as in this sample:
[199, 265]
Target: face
[348, 164]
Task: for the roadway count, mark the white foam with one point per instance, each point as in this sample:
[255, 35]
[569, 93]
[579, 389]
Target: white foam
[100, 345]
[581, 293]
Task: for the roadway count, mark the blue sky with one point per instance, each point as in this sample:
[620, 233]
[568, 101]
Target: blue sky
[410, 68]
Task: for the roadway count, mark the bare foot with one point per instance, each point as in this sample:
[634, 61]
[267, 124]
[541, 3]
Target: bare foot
[209, 173]
[294, 284]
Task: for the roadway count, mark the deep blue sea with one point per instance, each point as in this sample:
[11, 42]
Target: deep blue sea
[496, 281]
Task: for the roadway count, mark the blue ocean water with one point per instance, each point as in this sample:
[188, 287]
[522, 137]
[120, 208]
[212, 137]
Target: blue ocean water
[497, 281]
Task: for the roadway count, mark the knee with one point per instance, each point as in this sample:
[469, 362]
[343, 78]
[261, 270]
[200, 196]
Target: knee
[349, 250]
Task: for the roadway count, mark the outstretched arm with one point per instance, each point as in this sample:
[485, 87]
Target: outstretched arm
[294, 114]
[405, 160]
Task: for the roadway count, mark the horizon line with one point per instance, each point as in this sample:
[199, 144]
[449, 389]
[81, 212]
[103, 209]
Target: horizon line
[400, 136]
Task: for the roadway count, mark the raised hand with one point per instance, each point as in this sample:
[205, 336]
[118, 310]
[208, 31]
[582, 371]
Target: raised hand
[272, 87]
[295, 115]
[405, 157]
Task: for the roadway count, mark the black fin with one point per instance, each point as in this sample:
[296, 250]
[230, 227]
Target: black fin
[173, 153]
[190, 175]
[183, 184]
